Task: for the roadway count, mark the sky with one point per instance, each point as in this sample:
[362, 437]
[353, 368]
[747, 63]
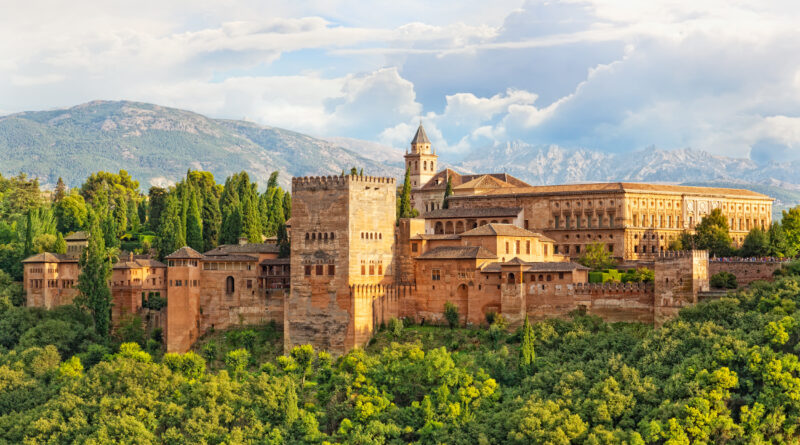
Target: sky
[612, 75]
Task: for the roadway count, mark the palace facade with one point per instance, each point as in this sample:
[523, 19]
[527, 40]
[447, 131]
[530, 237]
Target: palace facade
[502, 246]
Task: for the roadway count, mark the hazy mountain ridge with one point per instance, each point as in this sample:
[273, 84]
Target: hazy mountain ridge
[158, 144]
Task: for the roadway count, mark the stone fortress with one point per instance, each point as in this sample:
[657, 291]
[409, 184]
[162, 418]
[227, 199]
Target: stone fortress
[501, 246]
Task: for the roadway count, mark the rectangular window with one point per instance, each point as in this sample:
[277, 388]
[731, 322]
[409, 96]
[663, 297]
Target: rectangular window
[528, 247]
[363, 269]
[249, 284]
[566, 249]
[526, 224]
[611, 248]
[561, 275]
[507, 248]
[380, 269]
[545, 250]
[331, 269]
[549, 277]
[319, 269]
[414, 247]
[372, 269]
[436, 274]
[577, 249]
[557, 222]
[516, 246]
[178, 283]
[307, 270]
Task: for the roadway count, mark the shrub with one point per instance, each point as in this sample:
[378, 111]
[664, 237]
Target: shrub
[490, 316]
[723, 280]
[451, 314]
[209, 351]
[395, 326]
[237, 361]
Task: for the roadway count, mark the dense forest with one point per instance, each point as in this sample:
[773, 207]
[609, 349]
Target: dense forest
[724, 371]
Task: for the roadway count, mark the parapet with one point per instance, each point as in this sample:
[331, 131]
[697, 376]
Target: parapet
[312, 182]
[613, 288]
[673, 254]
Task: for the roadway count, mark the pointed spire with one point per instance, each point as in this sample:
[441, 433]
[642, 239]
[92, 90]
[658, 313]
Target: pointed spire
[420, 137]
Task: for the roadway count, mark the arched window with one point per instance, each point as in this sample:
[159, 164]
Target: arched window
[307, 235]
[438, 228]
[511, 278]
[325, 236]
[424, 165]
[313, 236]
[332, 235]
[229, 286]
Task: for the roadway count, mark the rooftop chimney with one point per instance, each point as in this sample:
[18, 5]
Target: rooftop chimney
[242, 240]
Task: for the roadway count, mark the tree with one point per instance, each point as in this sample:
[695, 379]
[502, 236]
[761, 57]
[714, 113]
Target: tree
[212, 220]
[712, 234]
[157, 198]
[778, 243]
[287, 205]
[120, 216]
[93, 279]
[61, 190]
[71, 213]
[231, 227]
[272, 183]
[791, 226]
[109, 231]
[447, 192]
[404, 207]
[27, 250]
[60, 246]
[451, 314]
[527, 355]
[170, 237]
[283, 242]
[597, 257]
[723, 280]
[194, 228]
[756, 243]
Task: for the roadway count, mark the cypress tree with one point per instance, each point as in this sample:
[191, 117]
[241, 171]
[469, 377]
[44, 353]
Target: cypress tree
[133, 216]
[61, 190]
[527, 356]
[283, 242]
[273, 180]
[170, 237]
[60, 245]
[194, 228]
[404, 210]
[276, 209]
[93, 280]
[231, 226]
[250, 217]
[109, 231]
[287, 205]
[120, 216]
[28, 247]
[212, 220]
[157, 197]
[447, 192]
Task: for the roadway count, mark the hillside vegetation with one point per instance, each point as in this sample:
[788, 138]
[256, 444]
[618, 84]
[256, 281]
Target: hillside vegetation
[725, 371]
[158, 144]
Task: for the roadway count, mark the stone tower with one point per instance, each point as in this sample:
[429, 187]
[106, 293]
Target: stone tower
[183, 310]
[421, 161]
[342, 239]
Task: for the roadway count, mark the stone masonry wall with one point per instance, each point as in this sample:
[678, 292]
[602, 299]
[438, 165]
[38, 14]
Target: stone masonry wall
[746, 271]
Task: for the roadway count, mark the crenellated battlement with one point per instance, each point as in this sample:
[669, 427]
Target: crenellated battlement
[678, 254]
[339, 181]
[613, 288]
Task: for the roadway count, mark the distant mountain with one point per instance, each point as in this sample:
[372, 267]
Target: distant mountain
[158, 144]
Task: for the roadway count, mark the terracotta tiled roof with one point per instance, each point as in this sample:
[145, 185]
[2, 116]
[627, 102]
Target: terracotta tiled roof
[233, 257]
[138, 264]
[483, 182]
[616, 187]
[229, 249]
[185, 252]
[437, 236]
[77, 236]
[457, 252]
[500, 230]
[48, 257]
[473, 212]
[270, 261]
[439, 180]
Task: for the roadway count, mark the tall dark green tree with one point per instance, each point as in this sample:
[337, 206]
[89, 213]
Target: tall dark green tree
[121, 216]
[404, 206]
[212, 221]
[61, 190]
[194, 227]
[283, 242]
[170, 236]
[251, 219]
[447, 192]
[273, 180]
[109, 230]
[60, 245]
[778, 243]
[27, 249]
[157, 198]
[756, 243]
[231, 226]
[527, 354]
[790, 222]
[93, 280]
[287, 205]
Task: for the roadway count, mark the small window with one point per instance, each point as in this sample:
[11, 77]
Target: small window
[331, 269]
[249, 284]
[229, 285]
[528, 248]
[414, 247]
[436, 274]
[561, 275]
[319, 269]
[363, 269]
[307, 270]
[380, 269]
[549, 277]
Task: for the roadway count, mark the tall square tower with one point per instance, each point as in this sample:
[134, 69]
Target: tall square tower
[342, 238]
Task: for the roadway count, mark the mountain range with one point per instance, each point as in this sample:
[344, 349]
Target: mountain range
[158, 144]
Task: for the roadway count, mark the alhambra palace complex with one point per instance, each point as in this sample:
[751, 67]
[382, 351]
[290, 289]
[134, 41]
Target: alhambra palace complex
[502, 246]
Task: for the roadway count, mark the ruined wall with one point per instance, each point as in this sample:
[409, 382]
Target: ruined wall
[746, 271]
[632, 302]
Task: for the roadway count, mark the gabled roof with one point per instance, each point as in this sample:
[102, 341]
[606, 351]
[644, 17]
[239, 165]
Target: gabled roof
[484, 182]
[256, 248]
[138, 264]
[420, 137]
[473, 212]
[457, 253]
[47, 257]
[439, 180]
[435, 236]
[185, 252]
[495, 229]
[77, 236]
[272, 261]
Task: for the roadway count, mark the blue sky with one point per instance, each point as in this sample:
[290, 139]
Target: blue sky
[612, 75]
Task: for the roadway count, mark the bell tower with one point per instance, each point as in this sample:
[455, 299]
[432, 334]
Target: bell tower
[420, 162]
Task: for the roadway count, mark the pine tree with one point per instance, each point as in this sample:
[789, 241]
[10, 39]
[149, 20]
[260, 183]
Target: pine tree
[60, 245]
[133, 216]
[93, 280]
[170, 237]
[404, 210]
[61, 190]
[527, 355]
[283, 242]
[194, 227]
[287, 205]
[447, 192]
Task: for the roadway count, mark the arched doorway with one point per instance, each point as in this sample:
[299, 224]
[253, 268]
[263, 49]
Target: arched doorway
[448, 228]
[229, 285]
[460, 227]
[438, 228]
[511, 278]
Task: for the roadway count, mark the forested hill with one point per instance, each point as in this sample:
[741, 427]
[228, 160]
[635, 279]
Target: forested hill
[157, 144]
